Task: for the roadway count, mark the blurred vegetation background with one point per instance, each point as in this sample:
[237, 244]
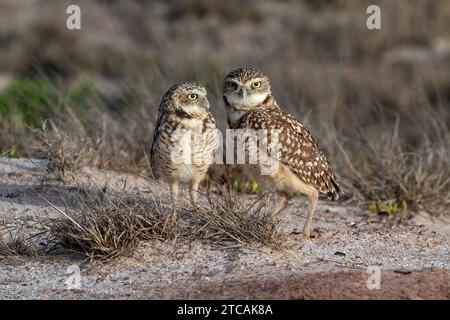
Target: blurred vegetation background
[377, 101]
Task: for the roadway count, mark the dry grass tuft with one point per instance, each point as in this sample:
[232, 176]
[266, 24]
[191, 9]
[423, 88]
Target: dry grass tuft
[107, 226]
[226, 217]
[64, 152]
[16, 242]
[389, 172]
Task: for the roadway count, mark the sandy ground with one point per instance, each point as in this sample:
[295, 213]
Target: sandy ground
[342, 261]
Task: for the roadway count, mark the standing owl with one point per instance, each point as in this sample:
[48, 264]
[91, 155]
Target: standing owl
[185, 138]
[301, 165]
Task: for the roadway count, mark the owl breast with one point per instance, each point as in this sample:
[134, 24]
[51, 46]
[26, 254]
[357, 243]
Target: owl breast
[183, 149]
[234, 118]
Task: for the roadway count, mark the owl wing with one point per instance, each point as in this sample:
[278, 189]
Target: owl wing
[297, 150]
[154, 146]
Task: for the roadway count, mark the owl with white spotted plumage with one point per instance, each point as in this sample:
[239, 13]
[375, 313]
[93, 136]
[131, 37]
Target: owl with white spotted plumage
[302, 166]
[185, 138]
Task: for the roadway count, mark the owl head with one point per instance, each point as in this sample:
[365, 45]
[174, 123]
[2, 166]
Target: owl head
[188, 97]
[246, 88]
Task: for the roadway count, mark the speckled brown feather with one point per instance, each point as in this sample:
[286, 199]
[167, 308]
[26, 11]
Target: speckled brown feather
[299, 151]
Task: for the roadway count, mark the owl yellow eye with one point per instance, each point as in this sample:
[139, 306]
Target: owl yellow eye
[256, 84]
[192, 96]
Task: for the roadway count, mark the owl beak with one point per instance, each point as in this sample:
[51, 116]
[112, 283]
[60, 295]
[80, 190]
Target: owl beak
[242, 93]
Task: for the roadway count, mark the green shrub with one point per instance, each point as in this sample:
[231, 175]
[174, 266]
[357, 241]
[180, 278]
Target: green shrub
[34, 99]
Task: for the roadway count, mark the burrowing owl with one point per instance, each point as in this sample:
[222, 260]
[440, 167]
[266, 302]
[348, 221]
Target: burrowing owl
[185, 138]
[302, 167]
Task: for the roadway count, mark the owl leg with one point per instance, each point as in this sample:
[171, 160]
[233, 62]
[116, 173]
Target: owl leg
[313, 198]
[193, 190]
[282, 200]
[175, 191]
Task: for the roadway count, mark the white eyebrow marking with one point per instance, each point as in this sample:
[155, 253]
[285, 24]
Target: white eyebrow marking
[233, 80]
[197, 92]
[253, 81]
